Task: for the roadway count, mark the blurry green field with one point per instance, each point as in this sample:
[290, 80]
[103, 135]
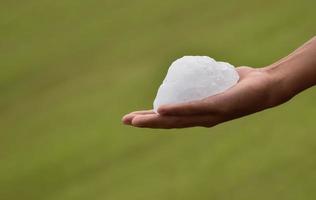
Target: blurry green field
[70, 69]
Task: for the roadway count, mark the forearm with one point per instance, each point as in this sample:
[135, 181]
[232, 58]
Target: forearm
[295, 72]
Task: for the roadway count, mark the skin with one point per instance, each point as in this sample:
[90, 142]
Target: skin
[257, 89]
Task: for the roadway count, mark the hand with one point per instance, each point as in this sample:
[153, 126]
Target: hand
[255, 91]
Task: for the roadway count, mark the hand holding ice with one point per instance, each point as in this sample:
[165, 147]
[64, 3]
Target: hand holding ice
[193, 78]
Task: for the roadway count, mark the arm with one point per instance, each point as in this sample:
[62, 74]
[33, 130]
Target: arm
[297, 71]
[257, 89]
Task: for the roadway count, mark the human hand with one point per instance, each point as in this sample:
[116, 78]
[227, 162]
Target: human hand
[255, 91]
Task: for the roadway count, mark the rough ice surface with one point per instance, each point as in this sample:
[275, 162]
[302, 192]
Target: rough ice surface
[193, 78]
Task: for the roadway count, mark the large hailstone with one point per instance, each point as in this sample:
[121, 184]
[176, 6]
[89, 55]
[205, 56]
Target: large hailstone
[193, 78]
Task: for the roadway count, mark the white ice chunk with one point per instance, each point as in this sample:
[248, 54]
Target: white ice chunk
[193, 78]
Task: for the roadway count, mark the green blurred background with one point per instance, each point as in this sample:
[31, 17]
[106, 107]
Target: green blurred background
[70, 69]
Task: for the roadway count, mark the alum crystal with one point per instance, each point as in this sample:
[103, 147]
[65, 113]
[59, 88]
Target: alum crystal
[193, 78]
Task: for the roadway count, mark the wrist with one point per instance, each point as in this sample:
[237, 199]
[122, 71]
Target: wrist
[281, 88]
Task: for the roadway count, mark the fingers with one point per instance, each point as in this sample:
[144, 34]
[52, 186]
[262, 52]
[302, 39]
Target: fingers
[167, 122]
[149, 119]
[127, 119]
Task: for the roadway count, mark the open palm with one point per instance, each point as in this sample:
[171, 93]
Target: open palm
[255, 91]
